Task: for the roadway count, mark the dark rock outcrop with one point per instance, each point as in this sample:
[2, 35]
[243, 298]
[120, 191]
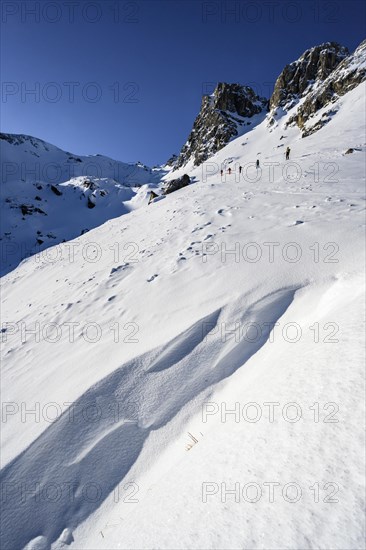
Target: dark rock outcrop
[348, 74]
[297, 78]
[219, 120]
[152, 196]
[56, 191]
[90, 185]
[90, 203]
[29, 209]
[176, 184]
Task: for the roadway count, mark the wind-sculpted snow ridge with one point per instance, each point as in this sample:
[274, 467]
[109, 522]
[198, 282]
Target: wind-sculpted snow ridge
[79, 451]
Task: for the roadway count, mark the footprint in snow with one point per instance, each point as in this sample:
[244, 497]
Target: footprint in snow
[223, 212]
[119, 268]
[198, 228]
[181, 256]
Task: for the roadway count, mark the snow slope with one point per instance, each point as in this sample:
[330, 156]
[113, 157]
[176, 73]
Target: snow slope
[41, 185]
[27, 158]
[120, 342]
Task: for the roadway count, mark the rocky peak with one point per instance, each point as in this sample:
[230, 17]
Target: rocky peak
[235, 98]
[219, 120]
[313, 67]
[347, 75]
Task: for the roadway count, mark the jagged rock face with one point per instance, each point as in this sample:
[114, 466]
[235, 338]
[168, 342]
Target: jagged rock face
[347, 75]
[220, 117]
[315, 65]
[236, 99]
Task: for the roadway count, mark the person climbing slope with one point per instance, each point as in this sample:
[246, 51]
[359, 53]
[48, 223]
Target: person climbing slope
[288, 153]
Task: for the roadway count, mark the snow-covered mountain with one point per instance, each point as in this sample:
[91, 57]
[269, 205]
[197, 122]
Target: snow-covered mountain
[190, 375]
[49, 196]
[318, 77]
[25, 158]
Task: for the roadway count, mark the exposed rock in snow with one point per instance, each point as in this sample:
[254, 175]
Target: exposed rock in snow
[223, 114]
[176, 184]
[347, 75]
[312, 67]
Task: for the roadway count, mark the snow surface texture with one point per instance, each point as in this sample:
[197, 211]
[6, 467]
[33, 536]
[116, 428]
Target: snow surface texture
[133, 346]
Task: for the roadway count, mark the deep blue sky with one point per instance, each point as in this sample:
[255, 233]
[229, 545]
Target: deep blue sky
[161, 54]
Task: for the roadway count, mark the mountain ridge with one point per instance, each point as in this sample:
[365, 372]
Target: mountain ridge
[41, 183]
[215, 126]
